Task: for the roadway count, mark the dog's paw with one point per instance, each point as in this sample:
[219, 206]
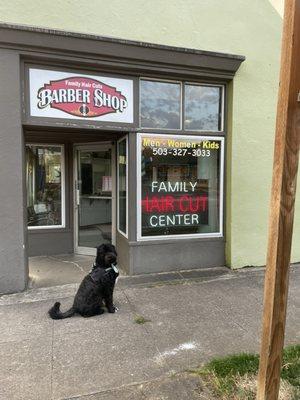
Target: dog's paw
[113, 309]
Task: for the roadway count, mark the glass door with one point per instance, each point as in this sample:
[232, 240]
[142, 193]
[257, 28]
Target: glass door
[94, 199]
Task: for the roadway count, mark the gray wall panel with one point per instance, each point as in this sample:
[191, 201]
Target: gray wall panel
[13, 260]
[182, 255]
[48, 243]
[123, 252]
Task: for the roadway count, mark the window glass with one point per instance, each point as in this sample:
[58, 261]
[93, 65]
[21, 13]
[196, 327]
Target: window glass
[44, 185]
[95, 197]
[180, 185]
[203, 108]
[95, 173]
[122, 186]
[160, 104]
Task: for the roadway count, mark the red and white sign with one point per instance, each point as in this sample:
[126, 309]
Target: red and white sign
[55, 94]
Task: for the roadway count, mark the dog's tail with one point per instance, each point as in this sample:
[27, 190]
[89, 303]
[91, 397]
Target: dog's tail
[55, 312]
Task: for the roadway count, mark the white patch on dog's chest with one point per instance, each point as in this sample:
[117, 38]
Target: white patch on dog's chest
[114, 267]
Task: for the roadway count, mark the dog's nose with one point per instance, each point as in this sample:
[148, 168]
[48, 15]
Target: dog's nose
[111, 257]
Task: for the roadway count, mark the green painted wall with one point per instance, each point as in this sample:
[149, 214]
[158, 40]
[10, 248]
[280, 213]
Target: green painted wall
[251, 28]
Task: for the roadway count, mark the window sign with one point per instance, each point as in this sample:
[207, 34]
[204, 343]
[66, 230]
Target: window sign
[160, 104]
[56, 94]
[181, 185]
[203, 108]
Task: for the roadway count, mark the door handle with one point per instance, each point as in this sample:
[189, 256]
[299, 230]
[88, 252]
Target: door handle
[77, 197]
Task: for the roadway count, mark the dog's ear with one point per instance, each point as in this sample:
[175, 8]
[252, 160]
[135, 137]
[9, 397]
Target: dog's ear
[100, 253]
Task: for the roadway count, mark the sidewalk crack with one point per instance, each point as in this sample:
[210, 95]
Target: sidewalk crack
[67, 262]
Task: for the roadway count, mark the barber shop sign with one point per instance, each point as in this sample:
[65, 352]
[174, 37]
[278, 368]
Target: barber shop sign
[56, 94]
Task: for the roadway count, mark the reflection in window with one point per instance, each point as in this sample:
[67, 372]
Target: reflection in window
[44, 185]
[95, 173]
[180, 185]
[160, 104]
[122, 186]
[95, 201]
[203, 107]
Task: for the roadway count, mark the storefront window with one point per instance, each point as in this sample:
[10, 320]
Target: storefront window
[44, 185]
[181, 185]
[122, 186]
[160, 104]
[203, 107]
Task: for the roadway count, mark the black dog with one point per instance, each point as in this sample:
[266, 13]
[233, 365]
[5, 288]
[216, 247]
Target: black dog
[97, 286]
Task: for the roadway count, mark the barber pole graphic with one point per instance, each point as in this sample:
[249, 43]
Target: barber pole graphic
[60, 94]
[82, 97]
[84, 110]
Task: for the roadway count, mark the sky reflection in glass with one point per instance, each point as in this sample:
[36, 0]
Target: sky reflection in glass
[160, 104]
[203, 108]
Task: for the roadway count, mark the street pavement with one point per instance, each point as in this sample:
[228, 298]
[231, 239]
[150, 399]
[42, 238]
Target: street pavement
[192, 316]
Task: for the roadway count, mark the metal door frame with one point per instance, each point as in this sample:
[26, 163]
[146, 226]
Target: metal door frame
[93, 147]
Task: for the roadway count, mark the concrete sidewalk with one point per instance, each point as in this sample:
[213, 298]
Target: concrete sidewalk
[193, 316]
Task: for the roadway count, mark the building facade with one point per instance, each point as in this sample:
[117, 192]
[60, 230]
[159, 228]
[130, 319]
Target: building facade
[159, 141]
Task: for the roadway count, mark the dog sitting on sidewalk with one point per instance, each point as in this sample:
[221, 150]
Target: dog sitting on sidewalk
[96, 287]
